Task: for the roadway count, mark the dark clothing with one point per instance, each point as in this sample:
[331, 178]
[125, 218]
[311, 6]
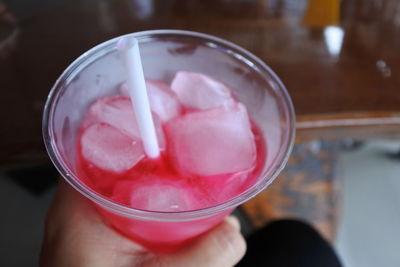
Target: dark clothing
[288, 243]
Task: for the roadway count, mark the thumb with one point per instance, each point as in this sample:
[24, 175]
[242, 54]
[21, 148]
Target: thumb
[223, 246]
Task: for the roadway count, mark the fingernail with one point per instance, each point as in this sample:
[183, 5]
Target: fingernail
[232, 220]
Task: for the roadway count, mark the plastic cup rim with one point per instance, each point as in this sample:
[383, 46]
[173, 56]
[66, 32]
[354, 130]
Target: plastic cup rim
[73, 180]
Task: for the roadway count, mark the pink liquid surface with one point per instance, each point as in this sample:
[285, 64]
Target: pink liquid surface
[192, 191]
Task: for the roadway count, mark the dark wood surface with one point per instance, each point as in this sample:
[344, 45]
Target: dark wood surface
[39, 39]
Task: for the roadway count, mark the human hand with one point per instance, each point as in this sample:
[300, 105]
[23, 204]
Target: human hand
[76, 235]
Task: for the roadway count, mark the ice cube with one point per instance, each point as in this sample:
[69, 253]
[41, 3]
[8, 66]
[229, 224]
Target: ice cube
[214, 141]
[117, 111]
[155, 193]
[199, 91]
[110, 149]
[226, 186]
[163, 100]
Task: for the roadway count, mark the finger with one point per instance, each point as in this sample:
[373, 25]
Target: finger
[77, 236]
[70, 209]
[223, 246]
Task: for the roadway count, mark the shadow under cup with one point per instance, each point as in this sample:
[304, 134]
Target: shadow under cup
[99, 72]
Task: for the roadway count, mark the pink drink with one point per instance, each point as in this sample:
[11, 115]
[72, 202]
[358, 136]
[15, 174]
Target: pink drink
[210, 153]
[214, 157]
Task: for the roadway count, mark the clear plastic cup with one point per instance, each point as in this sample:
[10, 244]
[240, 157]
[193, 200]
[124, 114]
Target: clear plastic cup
[100, 71]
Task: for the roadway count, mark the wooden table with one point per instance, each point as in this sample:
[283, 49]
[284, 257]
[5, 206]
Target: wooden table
[344, 67]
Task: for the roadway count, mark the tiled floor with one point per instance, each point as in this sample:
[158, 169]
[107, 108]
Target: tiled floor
[369, 234]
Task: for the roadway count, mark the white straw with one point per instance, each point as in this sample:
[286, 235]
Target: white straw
[129, 50]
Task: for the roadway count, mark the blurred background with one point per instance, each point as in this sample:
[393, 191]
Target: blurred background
[339, 59]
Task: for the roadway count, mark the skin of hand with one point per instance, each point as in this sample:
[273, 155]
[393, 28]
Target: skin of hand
[75, 235]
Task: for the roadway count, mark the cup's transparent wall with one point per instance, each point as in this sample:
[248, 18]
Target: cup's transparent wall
[101, 73]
